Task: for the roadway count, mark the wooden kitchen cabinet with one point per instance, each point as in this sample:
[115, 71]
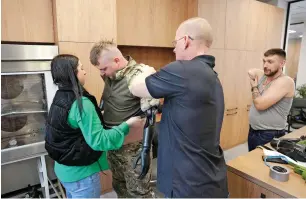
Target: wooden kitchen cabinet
[152, 56]
[219, 61]
[149, 22]
[94, 83]
[85, 20]
[231, 73]
[106, 179]
[275, 23]
[230, 128]
[236, 24]
[27, 21]
[214, 12]
[240, 187]
[257, 26]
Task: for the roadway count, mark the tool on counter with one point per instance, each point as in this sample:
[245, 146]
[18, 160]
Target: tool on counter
[281, 173]
[293, 148]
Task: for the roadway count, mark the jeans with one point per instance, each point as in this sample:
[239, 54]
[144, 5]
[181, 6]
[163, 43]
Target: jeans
[89, 187]
[262, 137]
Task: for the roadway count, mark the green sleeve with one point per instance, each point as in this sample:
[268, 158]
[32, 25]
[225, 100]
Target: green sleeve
[95, 135]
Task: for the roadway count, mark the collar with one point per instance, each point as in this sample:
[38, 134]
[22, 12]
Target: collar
[120, 74]
[208, 59]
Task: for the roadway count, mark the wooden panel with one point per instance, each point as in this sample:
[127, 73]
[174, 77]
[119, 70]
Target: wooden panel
[293, 57]
[252, 60]
[192, 8]
[27, 21]
[230, 129]
[85, 21]
[257, 26]
[155, 57]
[106, 179]
[94, 84]
[214, 11]
[242, 188]
[149, 22]
[233, 72]
[236, 24]
[219, 62]
[243, 125]
[275, 19]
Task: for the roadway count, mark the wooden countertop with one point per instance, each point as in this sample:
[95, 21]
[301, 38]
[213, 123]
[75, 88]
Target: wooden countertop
[251, 167]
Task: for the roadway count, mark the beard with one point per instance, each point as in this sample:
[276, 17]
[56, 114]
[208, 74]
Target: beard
[270, 73]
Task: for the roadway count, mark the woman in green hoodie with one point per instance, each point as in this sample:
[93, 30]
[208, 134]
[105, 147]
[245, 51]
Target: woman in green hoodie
[75, 136]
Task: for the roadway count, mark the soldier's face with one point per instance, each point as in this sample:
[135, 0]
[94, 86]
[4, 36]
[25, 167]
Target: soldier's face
[107, 67]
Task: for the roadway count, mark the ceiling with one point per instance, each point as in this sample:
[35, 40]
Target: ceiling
[298, 12]
[297, 19]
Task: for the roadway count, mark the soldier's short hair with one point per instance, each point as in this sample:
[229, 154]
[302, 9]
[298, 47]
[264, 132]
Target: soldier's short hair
[98, 48]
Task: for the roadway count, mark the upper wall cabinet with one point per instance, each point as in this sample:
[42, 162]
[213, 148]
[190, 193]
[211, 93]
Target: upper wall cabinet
[149, 22]
[275, 23]
[257, 26]
[214, 11]
[27, 21]
[236, 24]
[85, 20]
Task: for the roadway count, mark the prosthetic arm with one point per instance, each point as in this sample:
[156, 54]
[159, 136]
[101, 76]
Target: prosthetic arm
[148, 133]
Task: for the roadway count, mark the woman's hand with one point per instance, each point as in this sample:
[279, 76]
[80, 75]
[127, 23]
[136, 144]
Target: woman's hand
[136, 123]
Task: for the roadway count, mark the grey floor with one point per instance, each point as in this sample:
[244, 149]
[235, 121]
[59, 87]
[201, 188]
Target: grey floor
[228, 154]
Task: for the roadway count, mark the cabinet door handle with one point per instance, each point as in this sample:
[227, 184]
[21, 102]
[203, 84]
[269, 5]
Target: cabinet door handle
[231, 109]
[232, 113]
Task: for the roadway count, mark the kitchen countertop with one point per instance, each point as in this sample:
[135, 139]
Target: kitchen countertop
[252, 168]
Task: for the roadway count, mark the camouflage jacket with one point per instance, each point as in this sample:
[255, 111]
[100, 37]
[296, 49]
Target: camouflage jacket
[131, 71]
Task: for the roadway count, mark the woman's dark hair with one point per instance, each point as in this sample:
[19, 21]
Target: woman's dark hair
[64, 70]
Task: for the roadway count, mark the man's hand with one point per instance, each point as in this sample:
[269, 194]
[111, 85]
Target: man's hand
[253, 82]
[255, 73]
[138, 85]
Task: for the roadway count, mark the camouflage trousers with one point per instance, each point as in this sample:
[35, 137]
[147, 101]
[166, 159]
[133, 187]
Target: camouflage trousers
[125, 178]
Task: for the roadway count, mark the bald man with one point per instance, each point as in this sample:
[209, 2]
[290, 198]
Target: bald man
[120, 104]
[190, 159]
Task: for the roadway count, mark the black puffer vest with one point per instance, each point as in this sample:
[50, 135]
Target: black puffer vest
[64, 144]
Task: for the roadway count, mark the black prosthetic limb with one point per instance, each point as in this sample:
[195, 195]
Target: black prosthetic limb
[148, 133]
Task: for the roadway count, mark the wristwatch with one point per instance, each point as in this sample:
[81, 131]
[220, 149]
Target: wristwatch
[254, 87]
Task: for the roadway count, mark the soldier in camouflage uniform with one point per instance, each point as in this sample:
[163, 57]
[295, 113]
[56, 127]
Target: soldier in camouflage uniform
[119, 104]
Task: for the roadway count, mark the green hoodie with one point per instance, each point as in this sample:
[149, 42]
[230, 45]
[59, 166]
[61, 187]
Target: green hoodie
[96, 137]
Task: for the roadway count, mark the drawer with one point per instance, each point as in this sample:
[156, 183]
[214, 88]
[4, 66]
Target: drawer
[242, 188]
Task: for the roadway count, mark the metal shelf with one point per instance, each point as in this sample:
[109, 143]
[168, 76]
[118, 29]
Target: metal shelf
[23, 108]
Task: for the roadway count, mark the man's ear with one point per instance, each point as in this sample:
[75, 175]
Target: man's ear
[283, 63]
[116, 60]
[187, 41]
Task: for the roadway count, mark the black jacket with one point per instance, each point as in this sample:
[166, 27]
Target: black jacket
[64, 144]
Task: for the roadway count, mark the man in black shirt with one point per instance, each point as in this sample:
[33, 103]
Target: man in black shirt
[190, 160]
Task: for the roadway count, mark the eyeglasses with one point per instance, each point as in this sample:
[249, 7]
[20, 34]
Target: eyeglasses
[175, 41]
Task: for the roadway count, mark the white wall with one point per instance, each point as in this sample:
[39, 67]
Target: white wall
[301, 76]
